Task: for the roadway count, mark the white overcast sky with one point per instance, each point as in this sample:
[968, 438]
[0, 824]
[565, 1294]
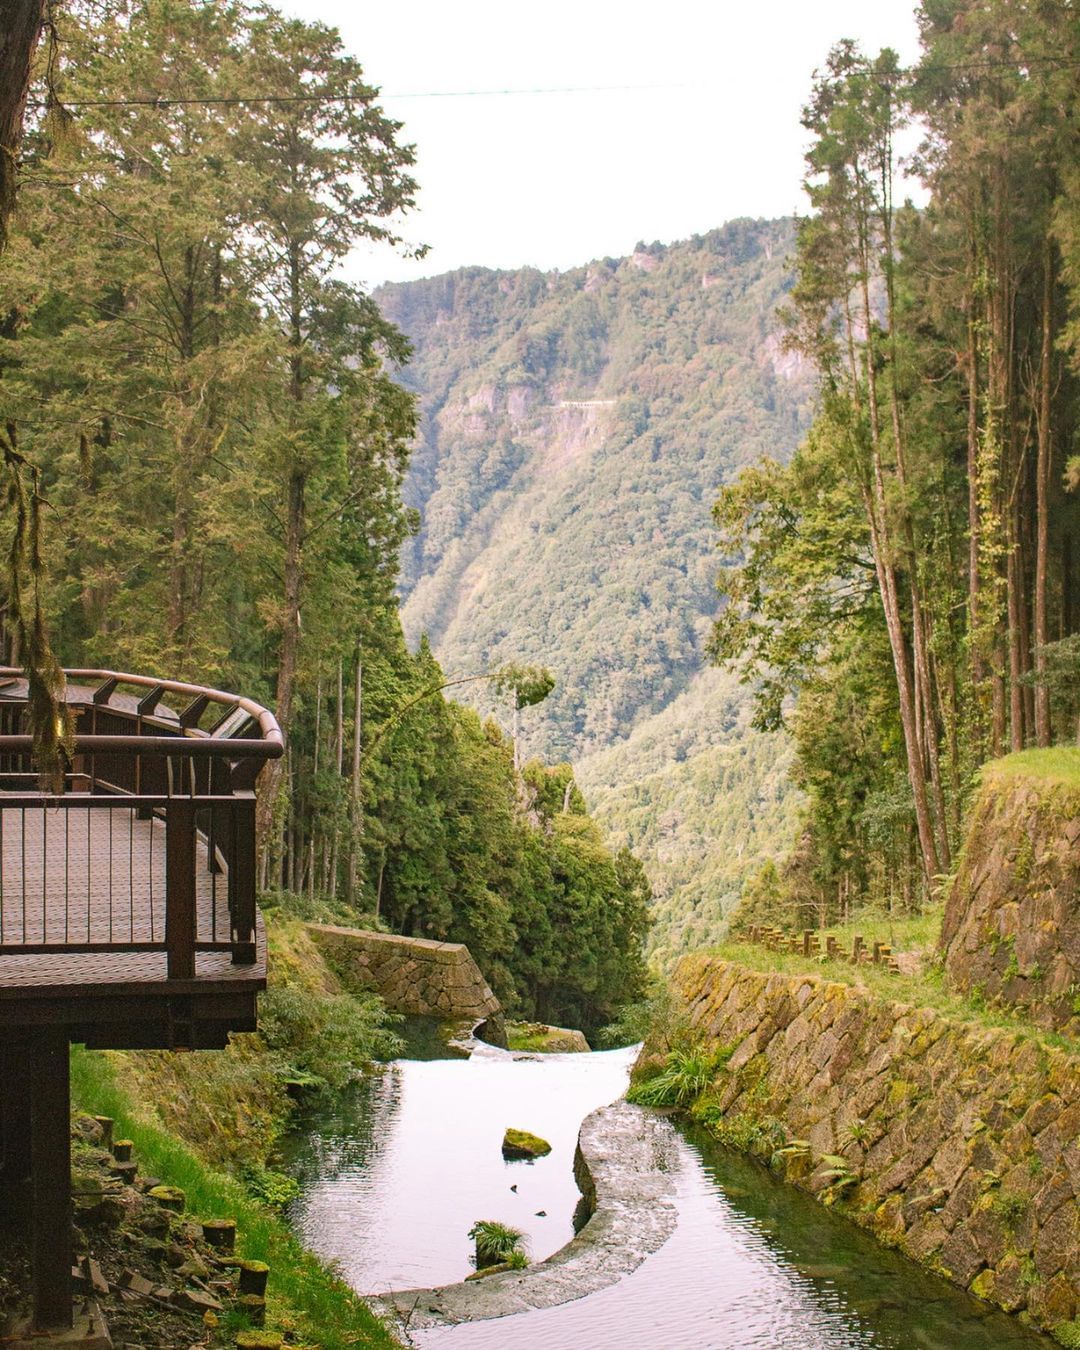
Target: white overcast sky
[709, 129]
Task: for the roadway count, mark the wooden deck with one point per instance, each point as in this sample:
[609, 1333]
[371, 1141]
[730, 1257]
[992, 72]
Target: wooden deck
[128, 914]
[93, 909]
[96, 876]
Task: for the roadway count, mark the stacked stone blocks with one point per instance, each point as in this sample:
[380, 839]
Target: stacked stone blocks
[963, 1143]
[414, 976]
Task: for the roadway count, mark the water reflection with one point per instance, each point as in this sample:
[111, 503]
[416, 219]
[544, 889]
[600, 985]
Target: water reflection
[755, 1265]
[394, 1173]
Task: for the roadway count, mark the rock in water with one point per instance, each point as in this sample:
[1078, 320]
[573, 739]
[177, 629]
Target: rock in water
[519, 1144]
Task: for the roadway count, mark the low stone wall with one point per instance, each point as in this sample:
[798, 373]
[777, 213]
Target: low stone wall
[626, 1168]
[1012, 922]
[962, 1142]
[413, 975]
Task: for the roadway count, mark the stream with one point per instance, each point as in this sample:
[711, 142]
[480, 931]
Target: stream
[394, 1172]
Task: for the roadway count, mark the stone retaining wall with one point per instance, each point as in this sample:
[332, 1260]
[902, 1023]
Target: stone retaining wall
[1012, 922]
[413, 975]
[963, 1140]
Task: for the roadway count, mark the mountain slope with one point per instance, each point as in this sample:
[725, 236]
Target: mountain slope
[576, 428]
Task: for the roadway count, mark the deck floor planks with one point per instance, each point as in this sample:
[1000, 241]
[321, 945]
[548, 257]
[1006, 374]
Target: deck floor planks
[95, 875]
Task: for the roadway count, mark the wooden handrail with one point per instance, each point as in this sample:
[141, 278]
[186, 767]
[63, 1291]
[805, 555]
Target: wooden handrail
[188, 740]
[200, 782]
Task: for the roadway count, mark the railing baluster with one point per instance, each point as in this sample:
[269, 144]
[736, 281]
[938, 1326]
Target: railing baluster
[242, 881]
[109, 811]
[44, 869]
[89, 882]
[131, 875]
[180, 922]
[150, 873]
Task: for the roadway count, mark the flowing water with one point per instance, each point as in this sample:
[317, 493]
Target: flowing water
[394, 1173]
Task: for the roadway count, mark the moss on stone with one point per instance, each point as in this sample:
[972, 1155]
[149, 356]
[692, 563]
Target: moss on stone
[520, 1144]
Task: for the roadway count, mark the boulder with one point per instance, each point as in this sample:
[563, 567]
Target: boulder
[520, 1144]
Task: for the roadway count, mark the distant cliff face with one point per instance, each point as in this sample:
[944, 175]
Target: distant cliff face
[576, 428]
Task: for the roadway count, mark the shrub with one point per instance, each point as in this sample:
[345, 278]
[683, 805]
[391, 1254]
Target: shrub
[686, 1075]
[497, 1243]
[324, 1040]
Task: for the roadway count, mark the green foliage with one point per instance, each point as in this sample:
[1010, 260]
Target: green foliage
[704, 798]
[219, 424]
[1068, 1334]
[900, 595]
[838, 1177]
[528, 684]
[496, 1242]
[660, 1015]
[273, 1188]
[324, 1041]
[684, 1077]
[578, 536]
[1010, 1208]
[309, 1296]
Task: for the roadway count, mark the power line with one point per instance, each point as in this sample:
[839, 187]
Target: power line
[166, 101]
[150, 101]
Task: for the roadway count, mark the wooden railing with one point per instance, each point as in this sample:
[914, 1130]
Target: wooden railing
[826, 947]
[151, 846]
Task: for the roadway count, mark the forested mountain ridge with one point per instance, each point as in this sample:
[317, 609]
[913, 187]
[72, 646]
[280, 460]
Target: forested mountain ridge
[575, 429]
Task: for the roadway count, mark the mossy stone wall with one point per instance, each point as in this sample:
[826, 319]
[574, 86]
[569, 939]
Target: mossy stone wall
[412, 975]
[961, 1143]
[1012, 922]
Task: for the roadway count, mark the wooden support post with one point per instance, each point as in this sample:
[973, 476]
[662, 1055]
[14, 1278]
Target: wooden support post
[51, 1242]
[877, 954]
[180, 888]
[831, 947]
[242, 881]
[15, 1137]
[856, 950]
[807, 941]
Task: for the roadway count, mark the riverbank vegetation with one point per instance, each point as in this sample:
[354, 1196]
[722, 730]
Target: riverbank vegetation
[902, 595]
[304, 1296]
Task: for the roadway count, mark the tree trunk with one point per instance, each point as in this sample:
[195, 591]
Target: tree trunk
[270, 834]
[975, 638]
[354, 783]
[314, 777]
[877, 515]
[1042, 494]
[1016, 667]
[339, 759]
[21, 22]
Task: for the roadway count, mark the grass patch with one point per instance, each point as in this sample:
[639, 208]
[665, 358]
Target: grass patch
[1061, 764]
[497, 1243]
[904, 932]
[305, 1297]
[684, 1077]
[532, 1036]
[927, 989]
